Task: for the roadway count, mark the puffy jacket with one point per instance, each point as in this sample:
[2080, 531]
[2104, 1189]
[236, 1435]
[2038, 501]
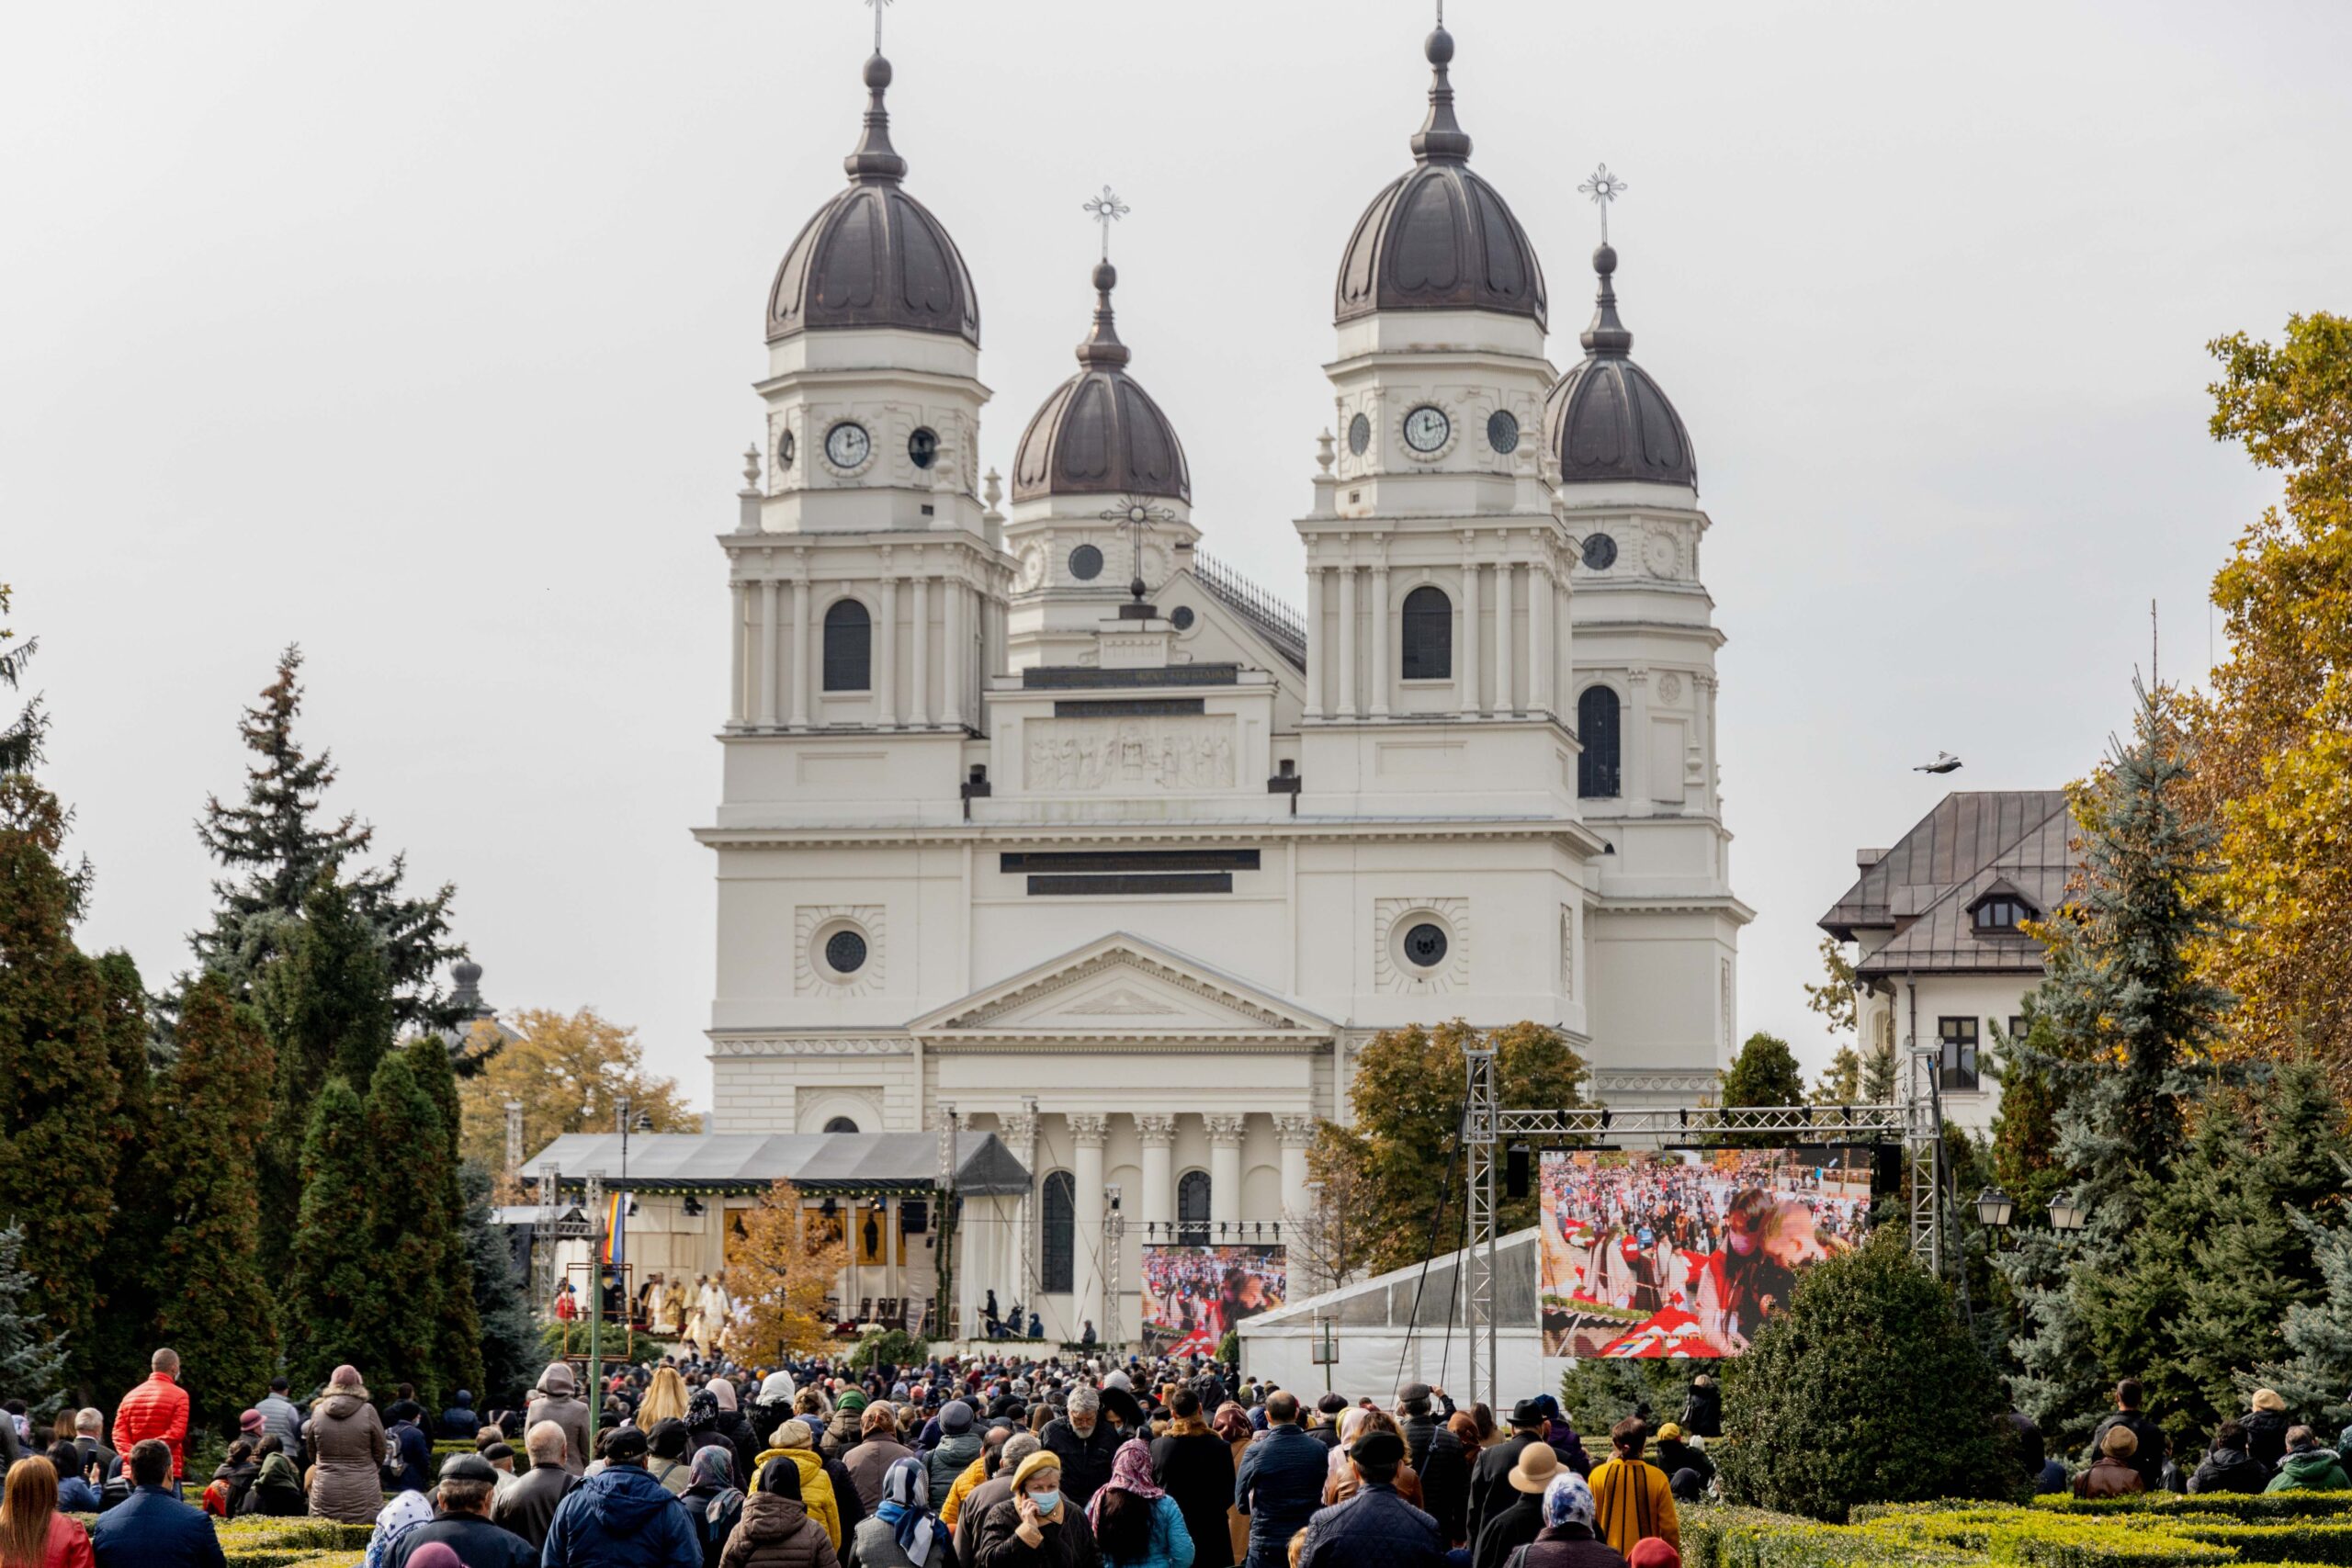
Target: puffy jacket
[347, 1436]
[2265, 1436]
[2229, 1470]
[816, 1488]
[777, 1532]
[1280, 1486]
[2313, 1470]
[156, 1408]
[283, 1419]
[622, 1518]
[946, 1462]
[1374, 1528]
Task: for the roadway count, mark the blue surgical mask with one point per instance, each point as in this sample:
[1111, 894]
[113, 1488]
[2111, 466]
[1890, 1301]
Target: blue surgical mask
[1046, 1501]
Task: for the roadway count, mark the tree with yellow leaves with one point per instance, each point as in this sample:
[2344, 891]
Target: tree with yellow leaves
[2274, 740]
[781, 1267]
[571, 1072]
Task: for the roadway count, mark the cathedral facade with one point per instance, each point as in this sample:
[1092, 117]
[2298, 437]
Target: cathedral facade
[1036, 818]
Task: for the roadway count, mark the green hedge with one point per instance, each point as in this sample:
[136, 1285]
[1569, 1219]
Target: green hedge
[2164, 1534]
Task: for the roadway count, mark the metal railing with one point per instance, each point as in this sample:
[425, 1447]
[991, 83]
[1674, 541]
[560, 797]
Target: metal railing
[1282, 625]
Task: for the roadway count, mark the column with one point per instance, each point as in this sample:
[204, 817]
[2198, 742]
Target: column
[1156, 1204]
[1086, 1132]
[1317, 660]
[1225, 1174]
[766, 674]
[1466, 647]
[1380, 674]
[1540, 601]
[1348, 640]
[1504, 571]
[886, 652]
[919, 701]
[739, 648]
[808, 650]
[951, 665]
[1294, 1134]
[1020, 1134]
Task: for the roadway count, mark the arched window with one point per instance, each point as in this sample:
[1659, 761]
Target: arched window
[840, 1125]
[849, 647]
[1193, 1209]
[1597, 728]
[1058, 1257]
[1428, 635]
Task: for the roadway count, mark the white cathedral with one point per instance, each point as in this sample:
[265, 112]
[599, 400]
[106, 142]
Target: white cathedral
[1125, 871]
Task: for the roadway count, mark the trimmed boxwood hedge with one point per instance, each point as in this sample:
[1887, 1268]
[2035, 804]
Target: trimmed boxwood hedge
[2309, 1529]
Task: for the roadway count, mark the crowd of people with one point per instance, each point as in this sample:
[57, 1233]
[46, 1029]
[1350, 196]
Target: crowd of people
[2266, 1449]
[994, 1462]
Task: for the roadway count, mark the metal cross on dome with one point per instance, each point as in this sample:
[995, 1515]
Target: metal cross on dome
[880, 7]
[1603, 187]
[1107, 210]
[1137, 513]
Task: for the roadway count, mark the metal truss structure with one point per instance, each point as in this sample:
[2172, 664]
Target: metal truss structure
[1917, 1127]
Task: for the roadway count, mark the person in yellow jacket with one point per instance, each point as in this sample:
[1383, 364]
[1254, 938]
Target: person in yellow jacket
[1632, 1498]
[792, 1440]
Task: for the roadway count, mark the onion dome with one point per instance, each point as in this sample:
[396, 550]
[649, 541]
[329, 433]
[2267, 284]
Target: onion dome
[1100, 434]
[1606, 419]
[1440, 237]
[874, 256]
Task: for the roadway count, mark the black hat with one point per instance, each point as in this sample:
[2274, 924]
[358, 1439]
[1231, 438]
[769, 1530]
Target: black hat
[1413, 1390]
[627, 1444]
[467, 1467]
[1528, 1413]
[1377, 1447]
[1332, 1404]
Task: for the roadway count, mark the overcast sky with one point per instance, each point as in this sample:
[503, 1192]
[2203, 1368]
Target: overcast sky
[422, 336]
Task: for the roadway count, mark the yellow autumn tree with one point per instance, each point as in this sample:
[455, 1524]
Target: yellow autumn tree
[781, 1267]
[571, 1072]
[2273, 758]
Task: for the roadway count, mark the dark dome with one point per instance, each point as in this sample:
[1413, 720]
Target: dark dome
[874, 256]
[1440, 237]
[1607, 418]
[1099, 432]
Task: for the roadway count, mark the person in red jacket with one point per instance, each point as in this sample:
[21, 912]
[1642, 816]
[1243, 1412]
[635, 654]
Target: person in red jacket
[156, 1408]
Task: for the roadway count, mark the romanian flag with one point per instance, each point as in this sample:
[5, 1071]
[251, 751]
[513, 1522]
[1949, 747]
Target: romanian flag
[615, 1228]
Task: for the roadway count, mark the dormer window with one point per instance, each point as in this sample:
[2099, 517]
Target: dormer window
[2000, 914]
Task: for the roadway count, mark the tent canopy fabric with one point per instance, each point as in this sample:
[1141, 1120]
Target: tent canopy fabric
[814, 1162]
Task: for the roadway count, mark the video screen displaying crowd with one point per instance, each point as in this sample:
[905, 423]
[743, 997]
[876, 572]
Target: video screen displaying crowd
[1192, 1295]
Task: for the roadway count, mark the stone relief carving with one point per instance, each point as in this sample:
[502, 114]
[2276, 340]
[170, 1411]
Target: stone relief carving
[1568, 951]
[1669, 687]
[1181, 752]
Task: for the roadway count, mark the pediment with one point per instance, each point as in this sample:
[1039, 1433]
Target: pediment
[1122, 985]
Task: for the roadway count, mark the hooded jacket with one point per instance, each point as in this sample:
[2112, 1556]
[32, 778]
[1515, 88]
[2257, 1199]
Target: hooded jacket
[557, 1399]
[2229, 1470]
[777, 1532]
[946, 1462]
[816, 1488]
[348, 1437]
[622, 1518]
[2313, 1470]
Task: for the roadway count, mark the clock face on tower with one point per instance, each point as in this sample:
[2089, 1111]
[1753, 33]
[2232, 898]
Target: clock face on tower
[1426, 428]
[847, 445]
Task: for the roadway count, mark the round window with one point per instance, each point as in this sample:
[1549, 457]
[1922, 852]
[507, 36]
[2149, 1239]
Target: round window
[1086, 563]
[1600, 552]
[845, 953]
[783, 450]
[1503, 431]
[922, 449]
[1359, 435]
[1425, 945]
[1182, 617]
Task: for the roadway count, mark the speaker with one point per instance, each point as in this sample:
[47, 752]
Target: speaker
[1515, 1171]
[1886, 1170]
[914, 1216]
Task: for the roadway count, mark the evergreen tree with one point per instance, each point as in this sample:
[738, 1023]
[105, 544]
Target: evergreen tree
[332, 1267]
[213, 1305]
[2024, 1127]
[281, 850]
[115, 1352]
[2130, 1014]
[325, 1000]
[510, 1338]
[2315, 1376]
[1841, 1081]
[58, 1093]
[32, 1359]
[457, 1359]
[20, 735]
[405, 1231]
[1764, 1073]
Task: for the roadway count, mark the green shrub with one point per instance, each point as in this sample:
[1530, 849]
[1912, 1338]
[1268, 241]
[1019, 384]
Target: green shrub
[2176, 1533]
[1864, 1388]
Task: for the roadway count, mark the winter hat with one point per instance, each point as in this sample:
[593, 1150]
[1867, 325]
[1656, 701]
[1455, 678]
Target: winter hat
[1650, 1552]
[464, 1398]
[250, 1421]
[955, 1418]
[1119, 1381]
[793, 1434]
[347, 1381]
[851, 1402]
[1670, 1433]
[626, 1445]
[2268, 1399]
[1043, 1458]
[1568, 1500]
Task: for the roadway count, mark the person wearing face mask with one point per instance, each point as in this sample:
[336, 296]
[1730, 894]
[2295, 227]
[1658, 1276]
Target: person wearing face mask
[1084, 1443]
[1037, 1527]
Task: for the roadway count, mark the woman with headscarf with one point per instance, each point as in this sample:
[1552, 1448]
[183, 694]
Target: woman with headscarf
[902, 1532]
[776, 1530]
[713, 1501]
[1569, 1538]
[1135, 1523]
[348, 1437]
[1036, 1526]
[404, 1513]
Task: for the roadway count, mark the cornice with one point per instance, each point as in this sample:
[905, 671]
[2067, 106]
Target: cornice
[1574, 835]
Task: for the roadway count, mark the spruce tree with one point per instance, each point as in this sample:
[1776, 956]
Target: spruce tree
[2024, 1127]
[281, 849]
[20, 734]
[213, 1299]
[406, 1231]
[2315, 1376]
[32, 1359]
[58, 1093]
[2130, 1014]
[510, 1338]
[1764, 1073]
[457, 1358]
[333, 1266]
[114, 1355]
